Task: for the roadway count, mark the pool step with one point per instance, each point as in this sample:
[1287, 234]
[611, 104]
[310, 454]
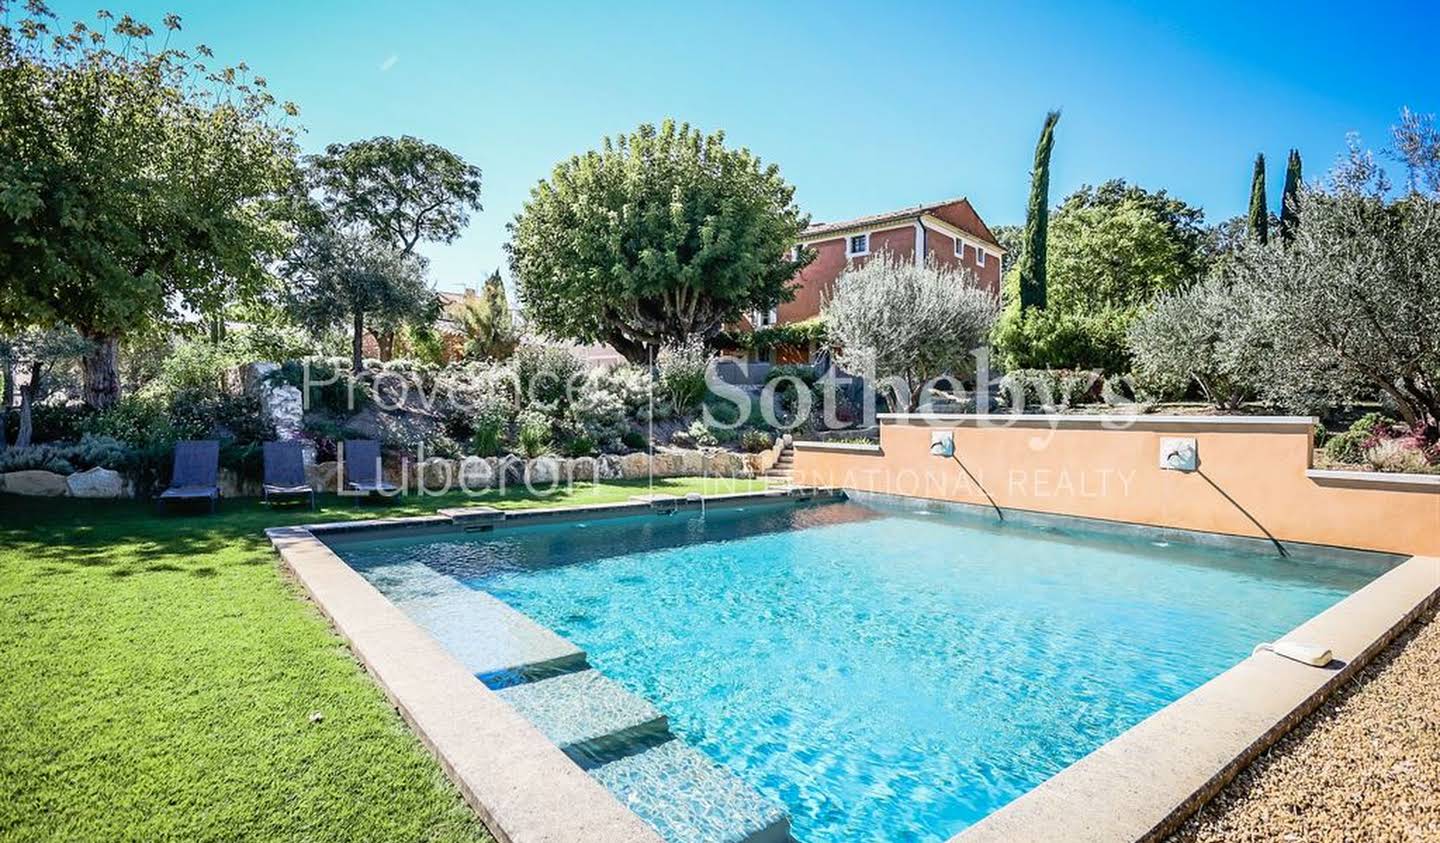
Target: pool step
[690, 799]
[587, 715]
[483, 633]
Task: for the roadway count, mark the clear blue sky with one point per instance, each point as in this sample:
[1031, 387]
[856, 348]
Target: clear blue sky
[865, 107]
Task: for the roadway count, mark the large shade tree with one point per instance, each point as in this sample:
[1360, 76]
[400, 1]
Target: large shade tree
[1111, 250]
[136, 183]
[403, 191]
[661, 235]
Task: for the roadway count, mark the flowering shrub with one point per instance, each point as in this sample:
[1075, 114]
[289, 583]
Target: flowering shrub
[755, 441]
[682, 373]
[533, 433]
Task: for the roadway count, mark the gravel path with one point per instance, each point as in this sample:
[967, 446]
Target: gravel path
[1364, 767]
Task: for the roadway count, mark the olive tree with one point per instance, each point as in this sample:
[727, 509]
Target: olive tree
[1355, 295]
[351, 279]
[907, 325]
[1213, 334]
[661, 235]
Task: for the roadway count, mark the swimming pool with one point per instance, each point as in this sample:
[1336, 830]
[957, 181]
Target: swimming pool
[883, 674]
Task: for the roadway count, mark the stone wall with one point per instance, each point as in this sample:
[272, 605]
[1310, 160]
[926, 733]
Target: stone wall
[471, 473]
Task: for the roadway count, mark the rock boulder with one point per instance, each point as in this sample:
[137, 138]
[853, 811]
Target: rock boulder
[96, 483]
[38, 484]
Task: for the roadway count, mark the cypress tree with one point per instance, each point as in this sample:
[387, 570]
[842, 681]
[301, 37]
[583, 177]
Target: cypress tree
[1289, 199]
[1037, 220]
[1259, 214]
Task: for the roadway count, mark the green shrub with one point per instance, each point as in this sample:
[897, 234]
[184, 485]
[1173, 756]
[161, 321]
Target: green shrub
[682, 374]
[90, 452]
[755, 441]
[1348, 448]
[1049, 389]
[579, 445]
[134, 419]
[547, 375]
[50, 423]
[1055, 339]
[533, 433]
[804, 372]
[701, 435]
[634, 440]
[53, 458]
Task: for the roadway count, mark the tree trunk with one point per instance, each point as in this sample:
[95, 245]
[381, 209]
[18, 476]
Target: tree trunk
[22, 439]
[101, 368]
[635, 352]
[27, 400]
[385, 344]
[7, 399]
[357, 342]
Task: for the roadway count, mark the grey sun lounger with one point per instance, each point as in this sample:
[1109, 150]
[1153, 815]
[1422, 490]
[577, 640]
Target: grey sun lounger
[285, 472]
[194, 477]
[362, 468]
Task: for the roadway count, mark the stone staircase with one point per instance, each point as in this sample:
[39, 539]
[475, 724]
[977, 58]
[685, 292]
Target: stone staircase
[782, 473]
[620, 739]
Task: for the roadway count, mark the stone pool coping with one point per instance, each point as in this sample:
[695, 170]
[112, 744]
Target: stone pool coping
[1138, 786]
[522, 786]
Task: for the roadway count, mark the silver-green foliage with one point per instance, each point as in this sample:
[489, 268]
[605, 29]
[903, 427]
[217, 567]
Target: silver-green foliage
[895, 320]
[1354, 300]
[1212, 334]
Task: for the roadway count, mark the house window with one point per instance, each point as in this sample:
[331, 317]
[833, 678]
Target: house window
[959, 248]
[979, 256]
[764, 318]
[858, 244]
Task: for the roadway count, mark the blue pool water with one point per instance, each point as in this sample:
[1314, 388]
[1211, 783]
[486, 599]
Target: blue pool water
[885, 675]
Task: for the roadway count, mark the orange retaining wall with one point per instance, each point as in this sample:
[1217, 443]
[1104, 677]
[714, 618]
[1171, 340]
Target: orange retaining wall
[1253, 477]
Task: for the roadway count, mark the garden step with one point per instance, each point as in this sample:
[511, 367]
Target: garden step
[585, 714]
[690, 799]
[485, 634]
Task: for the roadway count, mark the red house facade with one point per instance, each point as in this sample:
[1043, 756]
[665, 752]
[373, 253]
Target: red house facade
[950, 233]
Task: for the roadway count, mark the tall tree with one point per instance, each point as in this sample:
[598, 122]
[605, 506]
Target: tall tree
[1259, 213]
[404, 190]
[1111, 250]
[1290, 198]
[662, 234]
[1037, 220]
[135, 184]
[488, 324]
[349, 278]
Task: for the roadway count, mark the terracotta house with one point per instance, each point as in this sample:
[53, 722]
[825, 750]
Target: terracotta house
[948, 232]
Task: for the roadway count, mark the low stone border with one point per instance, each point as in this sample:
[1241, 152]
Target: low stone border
[521, 785]
[1142, 784]
[848, 447]
[1373, 479]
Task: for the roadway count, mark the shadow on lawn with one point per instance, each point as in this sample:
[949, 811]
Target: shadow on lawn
[130, 537]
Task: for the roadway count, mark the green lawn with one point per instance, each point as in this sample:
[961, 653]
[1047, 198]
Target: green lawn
[158, 675]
